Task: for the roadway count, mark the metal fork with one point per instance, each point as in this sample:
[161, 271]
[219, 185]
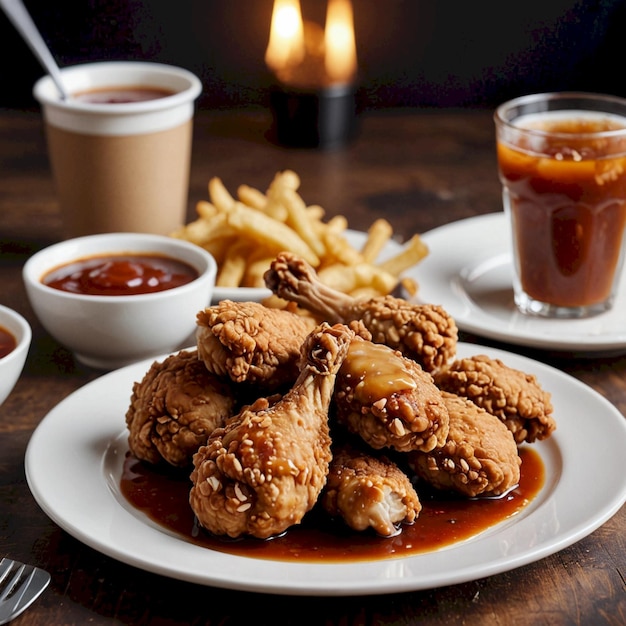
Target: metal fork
[20, 586]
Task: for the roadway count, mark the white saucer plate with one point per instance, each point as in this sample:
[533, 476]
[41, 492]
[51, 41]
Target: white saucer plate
[469, 272]
[75, 458]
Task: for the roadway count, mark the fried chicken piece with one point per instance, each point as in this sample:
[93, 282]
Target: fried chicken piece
[514, 396]
[174, 409]
[249, 342]
[369, 492]
[479, 458]
[423, 332]
[389, 400]
[265, 469]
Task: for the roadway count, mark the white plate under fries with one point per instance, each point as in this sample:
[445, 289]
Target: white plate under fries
[469, 272]
[82, 443]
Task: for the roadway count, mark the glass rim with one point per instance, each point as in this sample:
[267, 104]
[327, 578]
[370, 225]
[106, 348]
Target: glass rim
[547, 97]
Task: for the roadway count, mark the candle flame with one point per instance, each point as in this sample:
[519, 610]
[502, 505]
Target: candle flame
[300, 54]
[340, 58]
[286, 45]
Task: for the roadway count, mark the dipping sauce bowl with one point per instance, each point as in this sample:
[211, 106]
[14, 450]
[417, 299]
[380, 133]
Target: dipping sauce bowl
[114, 326]
[12, 364]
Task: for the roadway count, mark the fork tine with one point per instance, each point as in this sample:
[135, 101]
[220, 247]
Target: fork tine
[21, 590]
[10, 585]
[5, 568]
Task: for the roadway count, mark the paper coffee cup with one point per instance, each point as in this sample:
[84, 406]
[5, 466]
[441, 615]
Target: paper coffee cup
[120, 166]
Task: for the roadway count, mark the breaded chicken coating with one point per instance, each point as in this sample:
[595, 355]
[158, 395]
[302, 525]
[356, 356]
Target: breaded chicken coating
[265, 469]
[174, 409]
[423, 332]
[479, 458]
[389, 400]
[369, 492]
[249, 342]
[515, 397]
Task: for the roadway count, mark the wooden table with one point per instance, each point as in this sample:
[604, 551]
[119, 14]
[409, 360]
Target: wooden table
[420, 169]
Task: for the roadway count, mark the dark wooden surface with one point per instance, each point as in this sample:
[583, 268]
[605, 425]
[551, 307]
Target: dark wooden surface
[420, 169]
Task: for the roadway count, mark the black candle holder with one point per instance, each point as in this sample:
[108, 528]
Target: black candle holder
[316, 118]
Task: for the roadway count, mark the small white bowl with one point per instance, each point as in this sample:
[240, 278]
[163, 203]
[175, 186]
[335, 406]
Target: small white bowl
[12, 364]
[107, 332]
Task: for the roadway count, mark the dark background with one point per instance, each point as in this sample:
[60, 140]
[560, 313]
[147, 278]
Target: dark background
[418, 53]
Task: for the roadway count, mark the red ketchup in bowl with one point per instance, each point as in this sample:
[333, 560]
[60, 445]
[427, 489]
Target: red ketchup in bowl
[8, 343]
[120, 275]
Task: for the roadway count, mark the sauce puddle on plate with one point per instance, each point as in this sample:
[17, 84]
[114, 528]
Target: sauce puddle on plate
[162, 493]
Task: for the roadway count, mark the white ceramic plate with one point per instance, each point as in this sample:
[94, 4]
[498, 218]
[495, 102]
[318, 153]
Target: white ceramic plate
[75, 458]
[468, 271]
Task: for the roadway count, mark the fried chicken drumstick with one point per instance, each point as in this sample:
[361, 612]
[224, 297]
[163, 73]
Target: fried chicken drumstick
[480, 456]
[513, 396]
[249, 342]
[369, 492]
[174, 409]
[425, 333]
[389, 400]
[265, 469]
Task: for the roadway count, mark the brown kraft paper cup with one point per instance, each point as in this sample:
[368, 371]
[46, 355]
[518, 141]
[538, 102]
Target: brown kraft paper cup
[124, 166]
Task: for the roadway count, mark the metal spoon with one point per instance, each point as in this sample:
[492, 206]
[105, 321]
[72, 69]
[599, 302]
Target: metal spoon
[21, 19]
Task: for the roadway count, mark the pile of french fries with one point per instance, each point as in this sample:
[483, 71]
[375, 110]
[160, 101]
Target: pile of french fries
[246, 232]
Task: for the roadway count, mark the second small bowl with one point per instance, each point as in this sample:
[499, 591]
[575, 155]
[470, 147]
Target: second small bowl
[110, 331]
[12, 364]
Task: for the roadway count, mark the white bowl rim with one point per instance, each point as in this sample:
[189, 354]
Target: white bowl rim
[25, 333]
[118, 239]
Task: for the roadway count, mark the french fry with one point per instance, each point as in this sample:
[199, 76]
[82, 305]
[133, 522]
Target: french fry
[206, 210]
[288, 179]
[252, 197]
[194, 232]
[366, 293]
[274, 207]
[298, 219]
[246, 232]
[316, 213]
[336, 224]
[376, 277]
[233, 267]
[219, 195]
[339, 250]
[339, 276]
[275, 235]
[282, 183]
[255, 270]
[378, 235]
[202, 232]
[349, 278]
[219, 248]
[409, 285]
[412, 253]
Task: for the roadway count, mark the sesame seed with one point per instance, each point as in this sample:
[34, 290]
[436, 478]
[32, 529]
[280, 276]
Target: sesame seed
[241, 496]
[214, 482]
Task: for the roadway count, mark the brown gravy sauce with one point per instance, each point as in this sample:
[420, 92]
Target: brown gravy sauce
[163, 495]
[376, 371]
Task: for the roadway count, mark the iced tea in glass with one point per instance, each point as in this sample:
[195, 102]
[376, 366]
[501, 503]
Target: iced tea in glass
[562, 163]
